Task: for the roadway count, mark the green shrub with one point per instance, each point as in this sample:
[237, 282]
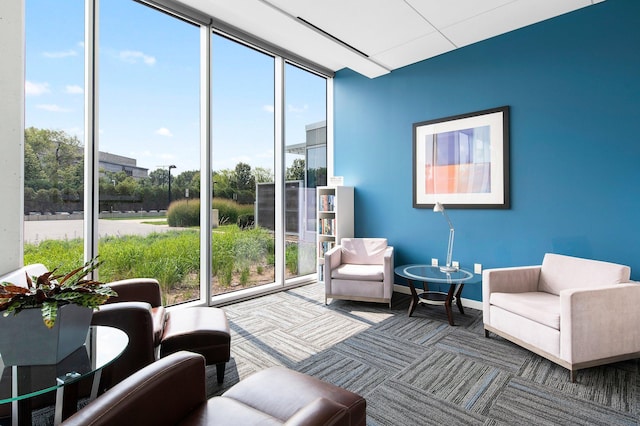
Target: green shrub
[291, 258]
[244, 276]
[184, 213]
[245, 221]
[229, 210]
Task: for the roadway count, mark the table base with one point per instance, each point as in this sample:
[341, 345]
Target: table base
[437, 298]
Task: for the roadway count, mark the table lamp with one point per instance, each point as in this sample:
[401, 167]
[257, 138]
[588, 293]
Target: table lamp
[447, 268]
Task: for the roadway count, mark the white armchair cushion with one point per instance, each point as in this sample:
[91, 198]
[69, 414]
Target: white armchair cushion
[363, 251]
[543, 308]
[358, 272]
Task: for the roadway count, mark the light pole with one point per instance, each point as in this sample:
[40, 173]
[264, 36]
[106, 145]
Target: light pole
[170, 167]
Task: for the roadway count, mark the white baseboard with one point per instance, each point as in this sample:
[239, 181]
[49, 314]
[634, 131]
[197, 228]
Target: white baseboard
[467, 303]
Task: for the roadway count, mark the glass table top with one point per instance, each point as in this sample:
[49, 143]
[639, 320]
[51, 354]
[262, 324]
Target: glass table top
[103, 346]
[432, 274]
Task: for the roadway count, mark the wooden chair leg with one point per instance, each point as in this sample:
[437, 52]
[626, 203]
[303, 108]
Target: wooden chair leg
[572, 375]
[486, 333]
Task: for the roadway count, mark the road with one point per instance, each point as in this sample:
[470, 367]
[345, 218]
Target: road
[40, 230]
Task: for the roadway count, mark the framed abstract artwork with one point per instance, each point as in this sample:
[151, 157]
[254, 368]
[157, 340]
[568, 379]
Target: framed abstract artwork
[462, 161]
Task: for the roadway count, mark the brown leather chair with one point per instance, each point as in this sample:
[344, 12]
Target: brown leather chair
[172, 391]
[154, 332]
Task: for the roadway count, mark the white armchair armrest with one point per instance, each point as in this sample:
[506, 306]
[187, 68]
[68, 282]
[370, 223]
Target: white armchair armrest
[388, 272]
[332, 259]
[520, 279]
[599, 323]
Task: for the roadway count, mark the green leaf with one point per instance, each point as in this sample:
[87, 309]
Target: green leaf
[49, 313]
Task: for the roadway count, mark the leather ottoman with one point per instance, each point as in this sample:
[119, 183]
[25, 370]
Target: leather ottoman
[201, 330]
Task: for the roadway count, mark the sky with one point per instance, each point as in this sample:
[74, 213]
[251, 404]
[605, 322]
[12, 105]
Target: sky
[149, 87]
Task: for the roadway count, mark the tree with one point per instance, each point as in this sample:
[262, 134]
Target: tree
[159, 177]
[244, 179]
[263, 175]
[33, 172]
[57, 153]
[296, 170]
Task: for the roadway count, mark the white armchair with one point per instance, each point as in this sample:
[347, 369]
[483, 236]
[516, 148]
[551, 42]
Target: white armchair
[359, 269]
[577, 313]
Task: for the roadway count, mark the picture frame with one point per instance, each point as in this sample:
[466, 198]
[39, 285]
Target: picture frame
[462, 161]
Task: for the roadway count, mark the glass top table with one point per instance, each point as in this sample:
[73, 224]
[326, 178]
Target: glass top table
[19, 383]
[432, 274]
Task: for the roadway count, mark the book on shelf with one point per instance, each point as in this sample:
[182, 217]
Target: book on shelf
[325, 246]
[327, 202]
[326, 226]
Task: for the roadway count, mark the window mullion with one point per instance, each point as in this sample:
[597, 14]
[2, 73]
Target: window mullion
[279, 142]
[91, 136]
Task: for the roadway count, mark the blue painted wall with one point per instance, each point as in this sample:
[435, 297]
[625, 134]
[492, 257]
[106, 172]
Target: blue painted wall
[573, 85]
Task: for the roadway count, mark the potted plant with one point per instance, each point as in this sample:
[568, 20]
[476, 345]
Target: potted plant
[55, 314]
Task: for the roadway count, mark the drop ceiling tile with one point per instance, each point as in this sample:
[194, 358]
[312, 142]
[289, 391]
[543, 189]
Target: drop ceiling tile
[445, 13]
[507, 18]
[414, 51]
[394, 33]
[265, 22]
[371, 26]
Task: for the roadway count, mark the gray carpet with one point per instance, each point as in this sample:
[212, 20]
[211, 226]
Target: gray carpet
[420, 370]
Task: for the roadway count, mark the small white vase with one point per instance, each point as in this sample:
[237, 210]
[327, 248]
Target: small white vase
[25, 340]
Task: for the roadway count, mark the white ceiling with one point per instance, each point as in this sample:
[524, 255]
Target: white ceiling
[383, 34]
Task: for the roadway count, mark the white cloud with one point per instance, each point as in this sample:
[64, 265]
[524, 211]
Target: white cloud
[133, 57]
[298, 109]
[73, 89]
[268, 108]
[163, 131]
[35, 89]
[52, 108]
[60, 54]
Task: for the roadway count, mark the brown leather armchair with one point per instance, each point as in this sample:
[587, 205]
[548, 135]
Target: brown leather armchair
[154, 332]
[172, 391]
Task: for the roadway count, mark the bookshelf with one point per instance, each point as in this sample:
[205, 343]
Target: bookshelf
[335, 219]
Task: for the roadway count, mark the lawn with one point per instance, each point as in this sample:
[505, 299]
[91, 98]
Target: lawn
[240, 258]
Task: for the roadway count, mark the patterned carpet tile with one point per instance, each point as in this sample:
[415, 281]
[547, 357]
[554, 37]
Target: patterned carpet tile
[241, 308]
[380, 351]
[523, 402]
[366, 312]
[610, 385]
[395, 403]
[328, 329]
[498, 353]
[274, 348]
[464, 382]
[286, 315]
[415, 330]
[246, 327]
[345, 372]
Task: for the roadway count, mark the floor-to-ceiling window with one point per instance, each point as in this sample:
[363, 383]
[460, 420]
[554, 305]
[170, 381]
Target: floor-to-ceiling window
[305, 113]
[243, 241]
[268, 150]
[54, 135]
[149, 159]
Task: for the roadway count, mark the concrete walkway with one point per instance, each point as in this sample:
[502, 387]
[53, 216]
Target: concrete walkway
[40, 230]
